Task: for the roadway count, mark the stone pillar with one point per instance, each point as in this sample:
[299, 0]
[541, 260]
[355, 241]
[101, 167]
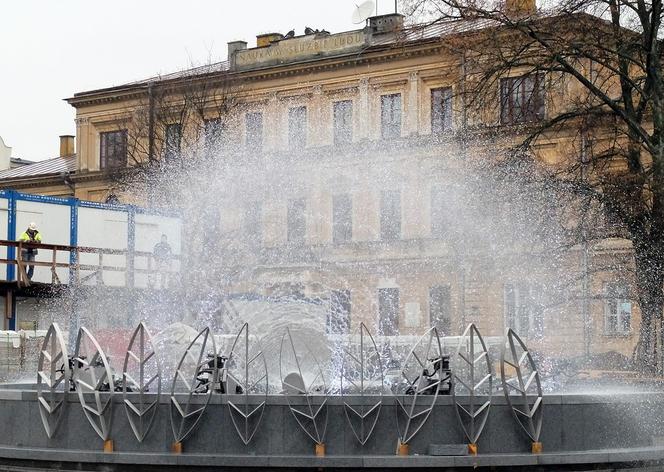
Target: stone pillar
[317, 125]
[83, 145]
[272, 123]
[363, 110]
[412, 120]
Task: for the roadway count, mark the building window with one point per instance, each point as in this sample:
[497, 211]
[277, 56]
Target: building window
[388, 311]
[343, 122]
[438, 213]
[390, 116]
[113, 149]
[338, 318]
[172, 141]
[441, 110]
[523, 309]
[296, 220]
[253, 222]
[297, 127]
[522, 99]
[617, 309]
[214, 130]
[439, 308]
[342, 218]
[253, 138]
[390, 215]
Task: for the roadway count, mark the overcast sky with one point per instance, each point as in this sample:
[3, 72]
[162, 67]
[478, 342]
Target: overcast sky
[51, 49]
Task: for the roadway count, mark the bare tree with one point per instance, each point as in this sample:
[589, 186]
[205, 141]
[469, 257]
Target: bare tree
[177, 121]
[600, 64]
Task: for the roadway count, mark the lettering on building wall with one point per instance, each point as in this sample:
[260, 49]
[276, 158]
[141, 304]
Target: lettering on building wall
[299, 48]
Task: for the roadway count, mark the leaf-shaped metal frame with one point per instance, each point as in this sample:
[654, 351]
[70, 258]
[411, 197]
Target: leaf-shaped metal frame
[140, 411]
[473, 416]
[101, 387]
[239, 369]
[368, 364]
[413, 410]
[312, 414]
[181, 415]
[53, 376]
[528, 416]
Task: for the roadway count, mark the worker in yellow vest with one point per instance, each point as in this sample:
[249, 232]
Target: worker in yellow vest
[30, 235]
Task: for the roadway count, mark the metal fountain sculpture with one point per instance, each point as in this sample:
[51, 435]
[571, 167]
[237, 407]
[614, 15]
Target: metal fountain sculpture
[312, 415]
[522, 387]
[416, 397]
[363, 371]
[242, 377]
[473, 375]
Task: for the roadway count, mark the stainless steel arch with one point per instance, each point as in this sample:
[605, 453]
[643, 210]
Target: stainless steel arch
[93, 377]
[363, 371]
[246, 367]
[525, 381]
[416, 396]
[311, 417]
[473, 375]
[54, 374]
[141, 370]
[195, 383]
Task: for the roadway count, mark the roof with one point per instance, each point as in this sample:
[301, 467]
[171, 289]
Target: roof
[57, 165]
[434, 30]
[194, 71]
[409, 34]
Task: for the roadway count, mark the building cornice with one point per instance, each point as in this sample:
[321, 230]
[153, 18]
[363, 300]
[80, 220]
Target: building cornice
[371, 55]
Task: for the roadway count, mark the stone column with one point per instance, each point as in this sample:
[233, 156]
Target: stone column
[412, 120]
[272, 123]
[317, 123]
[83, 146]
[363, 110]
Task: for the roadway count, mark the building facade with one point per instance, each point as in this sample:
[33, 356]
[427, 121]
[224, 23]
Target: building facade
[373, 130]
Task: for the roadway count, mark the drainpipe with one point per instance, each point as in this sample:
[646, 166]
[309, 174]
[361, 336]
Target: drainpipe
[150, 123]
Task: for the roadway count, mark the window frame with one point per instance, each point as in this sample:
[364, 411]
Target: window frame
[342, 133]
[172, 150]
[525, 297]
[106, 161]
[386, 220]
[253, 216]
[340, 298]
[342, 229]
[445, 289]
[254, 143]
[393, 128]
[297, 138]
[395, 301]
[296, 215]
[616, 293]
[213, 132]
[446, 113]
[529, 110]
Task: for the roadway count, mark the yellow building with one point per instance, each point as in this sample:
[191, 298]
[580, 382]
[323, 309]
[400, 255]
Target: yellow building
[378, 126]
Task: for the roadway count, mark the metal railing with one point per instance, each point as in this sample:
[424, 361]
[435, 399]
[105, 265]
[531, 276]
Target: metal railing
[75, 267]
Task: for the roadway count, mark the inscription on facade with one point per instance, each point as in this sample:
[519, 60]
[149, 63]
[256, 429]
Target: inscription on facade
[297, 49]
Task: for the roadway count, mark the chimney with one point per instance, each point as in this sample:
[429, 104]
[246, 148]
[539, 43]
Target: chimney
[66, 145]
[234, 46]
[389, 23]
[267, 39]
[520, 8]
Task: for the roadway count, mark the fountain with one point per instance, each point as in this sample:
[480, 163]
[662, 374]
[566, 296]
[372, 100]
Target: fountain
[249, 358]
